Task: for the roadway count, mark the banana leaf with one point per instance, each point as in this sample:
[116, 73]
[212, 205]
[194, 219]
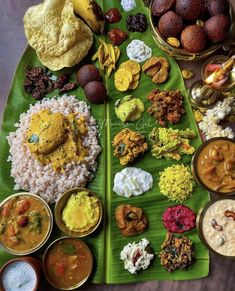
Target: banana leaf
[107, 242]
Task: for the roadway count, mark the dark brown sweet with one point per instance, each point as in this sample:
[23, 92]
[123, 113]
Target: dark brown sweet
[190, 10]
[160, 7]
[95, 92]
[217, 28]
[88, 73]
[130, 220]
[193, 38]
[170, 24]
[216, 7]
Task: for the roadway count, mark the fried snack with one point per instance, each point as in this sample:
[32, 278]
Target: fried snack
[166, 106]
[177, 253]
[130, 69]
[157, 68]
[107, 56]
[128, 145]
[130, 220]
[59, 38]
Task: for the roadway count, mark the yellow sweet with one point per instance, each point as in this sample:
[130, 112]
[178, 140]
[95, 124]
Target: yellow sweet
[131, 66]
[122, 83]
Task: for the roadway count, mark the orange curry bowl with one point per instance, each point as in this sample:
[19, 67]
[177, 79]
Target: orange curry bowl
[67, 263]
[213, 165]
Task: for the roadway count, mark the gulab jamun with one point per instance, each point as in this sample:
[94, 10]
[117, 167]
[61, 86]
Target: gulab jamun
[170, 24]
[88, 73]
[159, 7]
[193, 38]
[216, 7]
[189, 10]
[217, 28]
[95, 92]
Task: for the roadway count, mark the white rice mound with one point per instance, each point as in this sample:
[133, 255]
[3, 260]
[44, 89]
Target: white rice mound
[27, 171]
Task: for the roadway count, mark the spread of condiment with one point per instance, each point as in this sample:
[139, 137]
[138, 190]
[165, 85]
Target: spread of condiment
[138, 51]
[129, 108]
[215, 165]
[217, 224]
[132, 181]
[137, 256]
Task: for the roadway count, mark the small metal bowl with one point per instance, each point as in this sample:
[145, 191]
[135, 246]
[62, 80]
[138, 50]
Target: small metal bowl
[183, 54]
[50, 226]
[33, 262]
[44, 261]
[199, 221]
[195, 168]
[59, 209]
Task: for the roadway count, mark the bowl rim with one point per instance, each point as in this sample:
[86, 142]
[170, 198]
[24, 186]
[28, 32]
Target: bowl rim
[28, 260]
[60, 204]
[50, 226]
[195, 170]
[199, 219]
[183, 54]
[46, 253]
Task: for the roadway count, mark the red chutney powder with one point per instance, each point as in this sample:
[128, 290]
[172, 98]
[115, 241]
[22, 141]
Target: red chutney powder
[178, 219]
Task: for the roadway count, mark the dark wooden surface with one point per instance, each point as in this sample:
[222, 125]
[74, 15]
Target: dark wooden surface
[12, 44]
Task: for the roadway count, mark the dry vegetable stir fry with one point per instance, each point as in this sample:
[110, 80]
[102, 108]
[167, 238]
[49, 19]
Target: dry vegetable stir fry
[177, 253]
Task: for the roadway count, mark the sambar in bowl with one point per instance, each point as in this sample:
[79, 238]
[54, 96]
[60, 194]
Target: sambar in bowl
[67, 263]
[26, 223]
[213, 165]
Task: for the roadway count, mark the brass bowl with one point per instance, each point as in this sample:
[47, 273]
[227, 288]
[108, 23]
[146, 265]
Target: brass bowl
[40, 244]
[59, 209]
[80, 283]
[195, 169]
[34, 263]
[183, 54]
[199, 221]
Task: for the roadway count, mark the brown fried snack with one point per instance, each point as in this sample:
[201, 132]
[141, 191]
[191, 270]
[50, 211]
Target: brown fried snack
[157, 68]
[177, 253]
[130, 220]
[166, 106]
[128, 145]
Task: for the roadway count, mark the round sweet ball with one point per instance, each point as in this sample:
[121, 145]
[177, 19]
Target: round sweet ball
[217, 28]
[170, 24]
[96, 92]
[88, 73]
[190, 10]
[193, 38]
[217, 7]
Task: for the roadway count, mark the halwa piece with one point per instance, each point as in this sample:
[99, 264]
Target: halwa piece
[128, 145]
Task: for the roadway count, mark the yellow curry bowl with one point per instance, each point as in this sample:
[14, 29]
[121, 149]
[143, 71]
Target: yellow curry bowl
[26, 223]
[183, 54]
[213, 166]
[217, 233]
[67, 263]
[78, 212]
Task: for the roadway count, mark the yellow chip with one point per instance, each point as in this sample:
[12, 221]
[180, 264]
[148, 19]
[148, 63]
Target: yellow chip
[133, 85]
[122, 83]
[123, 72]
[136, 77]
[131, 66]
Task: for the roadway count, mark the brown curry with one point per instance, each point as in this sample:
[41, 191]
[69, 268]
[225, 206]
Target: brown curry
[216, 165]
[24, 223]
[68, 262]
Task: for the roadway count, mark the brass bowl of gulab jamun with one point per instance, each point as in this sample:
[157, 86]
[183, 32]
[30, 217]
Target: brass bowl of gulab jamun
[192, 30]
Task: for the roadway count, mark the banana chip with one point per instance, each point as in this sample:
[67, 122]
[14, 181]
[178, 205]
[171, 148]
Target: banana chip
[122, 83]
[131, 70]
[107, 55]
[59, 38]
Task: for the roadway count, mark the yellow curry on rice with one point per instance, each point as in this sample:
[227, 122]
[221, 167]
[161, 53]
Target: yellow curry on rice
[56, 139]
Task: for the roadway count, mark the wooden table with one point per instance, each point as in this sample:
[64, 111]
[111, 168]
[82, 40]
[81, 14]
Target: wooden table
[12, 43]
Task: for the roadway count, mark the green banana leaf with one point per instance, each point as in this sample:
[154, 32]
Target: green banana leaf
[107, 242]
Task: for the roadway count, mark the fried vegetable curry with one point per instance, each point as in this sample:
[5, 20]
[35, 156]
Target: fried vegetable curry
[24, 223]
[128, 145]
[68, 262]
[56, 139]
[216, 165]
